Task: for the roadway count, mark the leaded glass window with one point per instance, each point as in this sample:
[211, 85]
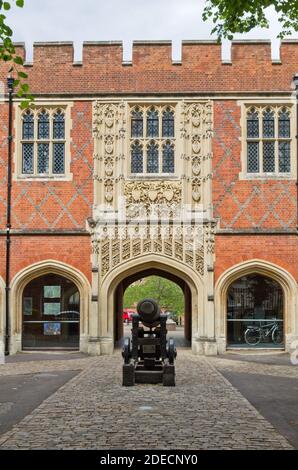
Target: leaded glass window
[268, 140]
[43, 159]
[252, 124]
[152, 123]
[28, 158]
[58, 158]
[168, 157]
[43, 125]
[284, 157]
[268, 123]
[58, 126]
[28, 126]
[152, 139]
[137, 123]
[253, 157]
[168, 123]
[268, 157]
[152, 158]
[284, 124]
[137, 157]
[44, 155]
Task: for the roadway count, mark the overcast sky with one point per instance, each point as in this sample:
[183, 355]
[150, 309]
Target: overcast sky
[127, 20]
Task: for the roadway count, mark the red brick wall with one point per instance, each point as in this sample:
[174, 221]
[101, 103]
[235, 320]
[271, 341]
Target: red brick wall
[152, 70]
[239, 203]
[279, 249]
[53, 205]
[26, 250]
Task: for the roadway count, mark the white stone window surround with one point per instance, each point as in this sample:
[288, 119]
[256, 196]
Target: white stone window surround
[37, 108]
[276, 105]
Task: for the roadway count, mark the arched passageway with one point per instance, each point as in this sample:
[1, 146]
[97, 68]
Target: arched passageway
[113, 285]
[183, 335]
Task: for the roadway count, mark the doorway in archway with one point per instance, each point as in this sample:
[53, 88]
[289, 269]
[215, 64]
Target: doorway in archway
[51, 313]
[255, 313]
[172, 293]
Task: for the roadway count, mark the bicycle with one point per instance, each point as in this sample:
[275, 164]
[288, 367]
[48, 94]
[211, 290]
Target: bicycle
[254, 334]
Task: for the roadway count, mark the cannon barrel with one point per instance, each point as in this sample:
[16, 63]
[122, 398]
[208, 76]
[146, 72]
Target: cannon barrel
[149, 311]
[149, 358]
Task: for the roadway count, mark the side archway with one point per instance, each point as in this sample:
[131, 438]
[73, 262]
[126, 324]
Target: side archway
[137, 267]
[23, 277]
[264, 268]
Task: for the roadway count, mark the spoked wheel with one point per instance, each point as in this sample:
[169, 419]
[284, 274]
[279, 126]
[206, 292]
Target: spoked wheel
[252, 336]
[126, 354]
[277, 336]
[172, 353]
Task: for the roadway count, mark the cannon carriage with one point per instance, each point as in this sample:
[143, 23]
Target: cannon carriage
[149, 357]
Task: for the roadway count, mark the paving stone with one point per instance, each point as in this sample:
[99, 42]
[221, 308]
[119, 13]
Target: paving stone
[94, 411]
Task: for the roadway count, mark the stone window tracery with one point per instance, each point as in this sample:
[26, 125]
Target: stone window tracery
[152, 140]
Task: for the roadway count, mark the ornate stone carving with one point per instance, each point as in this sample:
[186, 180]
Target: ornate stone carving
[157, 192]
[196, 130]
[196, 189]
[113, 250]
[209, 236]
[108, 129]
[114, 245]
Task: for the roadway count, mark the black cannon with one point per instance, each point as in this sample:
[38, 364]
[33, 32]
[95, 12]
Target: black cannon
[149, 357]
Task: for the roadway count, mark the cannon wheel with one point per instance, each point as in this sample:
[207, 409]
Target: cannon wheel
[171, 351]
[126, 351]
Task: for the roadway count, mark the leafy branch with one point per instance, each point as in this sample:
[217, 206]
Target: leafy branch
[241, 16]
[8, 54]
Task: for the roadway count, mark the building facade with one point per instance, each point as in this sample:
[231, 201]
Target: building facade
[217, 139]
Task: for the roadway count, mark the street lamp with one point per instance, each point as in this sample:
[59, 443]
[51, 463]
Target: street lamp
[10, 86]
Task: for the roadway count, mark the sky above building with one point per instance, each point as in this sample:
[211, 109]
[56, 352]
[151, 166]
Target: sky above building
[126, 20]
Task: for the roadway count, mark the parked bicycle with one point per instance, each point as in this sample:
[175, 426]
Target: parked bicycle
[255, 334]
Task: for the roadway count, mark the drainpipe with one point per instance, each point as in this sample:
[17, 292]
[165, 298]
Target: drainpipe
[296, 95]
[10, 83]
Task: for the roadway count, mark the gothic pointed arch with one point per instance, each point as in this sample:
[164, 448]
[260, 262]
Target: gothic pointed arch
[265, 268]
[23, 277]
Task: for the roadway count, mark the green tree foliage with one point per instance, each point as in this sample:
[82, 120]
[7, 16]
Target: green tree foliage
[8, 53]
[240, 16]
[168, 294]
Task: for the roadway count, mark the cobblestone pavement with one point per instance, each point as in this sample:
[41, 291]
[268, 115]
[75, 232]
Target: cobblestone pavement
[253, 367]
[33, 367]
[93, 411]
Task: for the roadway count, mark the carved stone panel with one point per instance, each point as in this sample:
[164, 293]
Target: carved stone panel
[113, 250]
[108, 126]
[196, 132]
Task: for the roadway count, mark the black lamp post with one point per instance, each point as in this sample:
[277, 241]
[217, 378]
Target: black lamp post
[10, 85]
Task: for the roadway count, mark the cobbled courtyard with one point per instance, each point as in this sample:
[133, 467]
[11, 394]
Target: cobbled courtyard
[94, 411]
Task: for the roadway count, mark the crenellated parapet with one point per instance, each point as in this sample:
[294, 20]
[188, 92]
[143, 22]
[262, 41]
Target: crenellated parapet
[152, 70]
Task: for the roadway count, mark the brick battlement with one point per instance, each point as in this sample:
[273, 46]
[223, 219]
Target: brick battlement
[152, 70]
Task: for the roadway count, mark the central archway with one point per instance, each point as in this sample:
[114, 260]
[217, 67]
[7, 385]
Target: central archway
[119, 297]
[137, 268]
